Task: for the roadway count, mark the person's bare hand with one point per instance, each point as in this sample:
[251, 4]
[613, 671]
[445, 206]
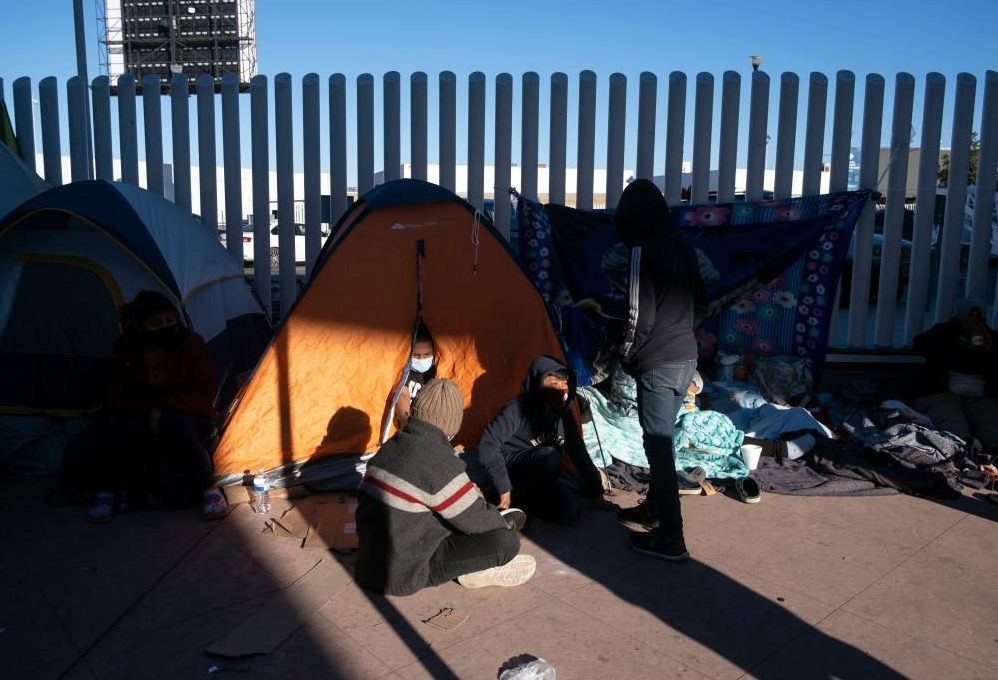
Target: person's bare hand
[504, 500]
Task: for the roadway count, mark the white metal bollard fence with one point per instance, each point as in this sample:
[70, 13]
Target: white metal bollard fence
[914, 276]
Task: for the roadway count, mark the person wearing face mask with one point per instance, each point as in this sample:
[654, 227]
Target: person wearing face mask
[420, 520]
[150, 439]
[522, 450]
[960, 387]
[422, 369]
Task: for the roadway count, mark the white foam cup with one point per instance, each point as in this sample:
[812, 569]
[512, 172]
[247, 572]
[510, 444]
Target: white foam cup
[751, 454]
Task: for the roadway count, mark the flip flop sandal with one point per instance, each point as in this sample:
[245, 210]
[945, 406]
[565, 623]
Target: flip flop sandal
[748, 490]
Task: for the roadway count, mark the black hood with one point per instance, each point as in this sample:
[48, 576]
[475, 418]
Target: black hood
[145, 304]
[641, 211]
[539, 368]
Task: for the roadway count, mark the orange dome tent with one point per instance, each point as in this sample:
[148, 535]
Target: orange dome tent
[407, 250]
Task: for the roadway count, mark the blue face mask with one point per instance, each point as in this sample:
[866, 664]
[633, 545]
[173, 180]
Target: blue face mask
[422, 365]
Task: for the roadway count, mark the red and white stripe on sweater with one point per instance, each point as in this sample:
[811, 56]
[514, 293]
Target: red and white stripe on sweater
[454, 498]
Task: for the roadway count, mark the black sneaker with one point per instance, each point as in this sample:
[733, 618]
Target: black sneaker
[515, 518]
[651, 543]
[688, 484]
[640, 514]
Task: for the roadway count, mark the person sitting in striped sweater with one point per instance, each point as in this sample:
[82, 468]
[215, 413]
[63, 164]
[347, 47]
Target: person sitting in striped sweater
[421, 521]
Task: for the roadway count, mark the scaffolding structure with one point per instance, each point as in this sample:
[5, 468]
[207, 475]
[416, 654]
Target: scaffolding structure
[171, 37]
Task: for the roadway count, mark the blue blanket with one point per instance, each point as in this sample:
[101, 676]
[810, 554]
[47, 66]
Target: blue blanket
[703, 439]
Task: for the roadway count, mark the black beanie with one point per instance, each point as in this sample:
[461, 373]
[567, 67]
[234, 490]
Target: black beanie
[145, 304]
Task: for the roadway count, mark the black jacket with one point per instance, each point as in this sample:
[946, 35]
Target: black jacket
[414, 495]
[525, 423]
[667, 302]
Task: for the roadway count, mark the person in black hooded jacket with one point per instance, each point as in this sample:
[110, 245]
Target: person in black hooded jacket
[666, 302]
[522, 449]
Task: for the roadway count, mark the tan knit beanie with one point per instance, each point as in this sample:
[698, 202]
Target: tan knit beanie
[440, 403]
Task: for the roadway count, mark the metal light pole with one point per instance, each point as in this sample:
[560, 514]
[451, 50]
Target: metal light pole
[81, 71]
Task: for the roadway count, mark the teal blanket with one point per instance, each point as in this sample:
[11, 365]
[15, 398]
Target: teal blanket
[704, 439]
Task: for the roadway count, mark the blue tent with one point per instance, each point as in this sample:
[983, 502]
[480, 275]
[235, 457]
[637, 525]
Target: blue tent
[72, 255]
[18, 182]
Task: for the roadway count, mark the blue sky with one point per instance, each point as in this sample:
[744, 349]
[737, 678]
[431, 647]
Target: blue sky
[327, 36]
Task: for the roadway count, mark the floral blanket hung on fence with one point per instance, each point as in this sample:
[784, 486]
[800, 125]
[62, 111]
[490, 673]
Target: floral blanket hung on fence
[771, 269]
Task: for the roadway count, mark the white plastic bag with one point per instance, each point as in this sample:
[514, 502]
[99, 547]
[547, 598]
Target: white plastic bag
[538, 669]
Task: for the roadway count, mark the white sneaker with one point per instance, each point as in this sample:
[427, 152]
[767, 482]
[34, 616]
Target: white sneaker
[516, 572]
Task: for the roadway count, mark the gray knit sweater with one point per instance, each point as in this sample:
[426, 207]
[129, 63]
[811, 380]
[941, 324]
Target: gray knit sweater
[414, 495]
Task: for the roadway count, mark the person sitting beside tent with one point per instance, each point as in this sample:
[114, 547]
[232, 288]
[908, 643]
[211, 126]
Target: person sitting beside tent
[521, 450]
[421, 521]
[961, 377]
[422, 369]
[151, 436]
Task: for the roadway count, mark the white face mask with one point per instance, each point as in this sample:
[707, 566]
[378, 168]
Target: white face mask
[422, 365]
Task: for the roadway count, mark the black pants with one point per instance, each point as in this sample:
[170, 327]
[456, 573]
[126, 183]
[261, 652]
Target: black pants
[121, 453]
[463, 554]
[540, 486]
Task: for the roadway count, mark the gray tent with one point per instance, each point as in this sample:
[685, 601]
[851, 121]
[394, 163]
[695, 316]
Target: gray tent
[18, 182]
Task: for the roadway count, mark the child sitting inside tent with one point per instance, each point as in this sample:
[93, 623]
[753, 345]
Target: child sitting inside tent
[151, 436]
[421, 521]
[422, 369]
[522, 449]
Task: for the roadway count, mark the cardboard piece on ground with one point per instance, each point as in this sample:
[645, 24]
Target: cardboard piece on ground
[447, 619]
[282, 616]
[289, 492]
[333, 523]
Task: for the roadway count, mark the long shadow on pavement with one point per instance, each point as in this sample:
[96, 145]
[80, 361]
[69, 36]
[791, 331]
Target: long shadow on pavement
[693, 612]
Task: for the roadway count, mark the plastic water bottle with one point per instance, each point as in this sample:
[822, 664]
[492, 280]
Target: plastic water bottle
[260, 494]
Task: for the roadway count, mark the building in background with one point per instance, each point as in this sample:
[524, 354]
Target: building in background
[171, 37]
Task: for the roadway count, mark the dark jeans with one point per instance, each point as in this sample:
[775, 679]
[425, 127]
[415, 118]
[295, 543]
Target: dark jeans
[121, 453]
[466, 553]
[660, 396]
[539, 485]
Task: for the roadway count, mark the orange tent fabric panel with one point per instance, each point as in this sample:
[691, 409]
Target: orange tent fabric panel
[323, 386]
